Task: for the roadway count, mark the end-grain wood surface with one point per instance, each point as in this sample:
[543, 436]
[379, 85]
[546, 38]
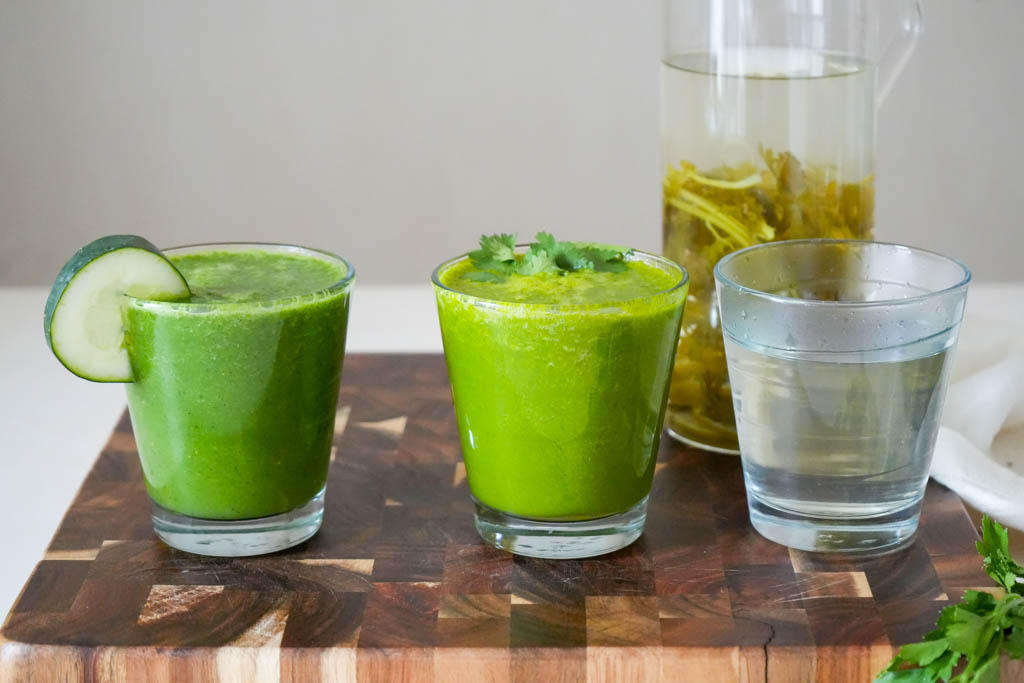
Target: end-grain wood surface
[397, 586]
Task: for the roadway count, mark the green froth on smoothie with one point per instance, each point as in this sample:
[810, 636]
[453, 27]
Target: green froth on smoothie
[639, 280]
[253, 275]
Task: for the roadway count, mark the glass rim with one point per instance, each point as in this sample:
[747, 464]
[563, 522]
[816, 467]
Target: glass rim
[444, 265]
[721, 278]
[350, 273]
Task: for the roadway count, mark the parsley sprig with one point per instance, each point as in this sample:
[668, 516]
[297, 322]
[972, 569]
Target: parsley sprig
[977, 631]
[496, 258]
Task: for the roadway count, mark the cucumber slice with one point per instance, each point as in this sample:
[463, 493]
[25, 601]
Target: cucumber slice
[82, 320]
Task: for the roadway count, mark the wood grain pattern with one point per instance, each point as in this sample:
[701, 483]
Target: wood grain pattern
[397, 586]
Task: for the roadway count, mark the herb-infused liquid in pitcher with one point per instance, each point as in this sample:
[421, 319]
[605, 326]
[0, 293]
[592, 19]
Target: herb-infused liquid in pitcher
[760, 144]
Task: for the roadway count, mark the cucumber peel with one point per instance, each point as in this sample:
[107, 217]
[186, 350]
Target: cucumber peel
[82, 319]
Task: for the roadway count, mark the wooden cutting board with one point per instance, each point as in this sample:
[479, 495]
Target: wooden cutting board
[397, 586]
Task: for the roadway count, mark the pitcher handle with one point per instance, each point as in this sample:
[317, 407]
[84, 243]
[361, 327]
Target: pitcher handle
[899, 49]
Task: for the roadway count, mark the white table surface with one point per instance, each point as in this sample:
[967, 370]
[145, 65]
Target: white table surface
[53, 424]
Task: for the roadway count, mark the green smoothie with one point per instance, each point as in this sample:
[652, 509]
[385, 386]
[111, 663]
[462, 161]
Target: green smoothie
[559, 382]
[234, 391]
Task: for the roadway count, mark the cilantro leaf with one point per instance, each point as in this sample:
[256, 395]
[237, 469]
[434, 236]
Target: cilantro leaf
[979, 602]
[606, 260]
[600, 252]
[546, 241]
[924, 653]
[987, 672]
[967, 632]
[972, 636]
[572, 258]
[994, 546]
[905, 676]
[497, 257]
[1014, 643]
[502, 247]
[496, 254]
[942, 668]
[537, 261]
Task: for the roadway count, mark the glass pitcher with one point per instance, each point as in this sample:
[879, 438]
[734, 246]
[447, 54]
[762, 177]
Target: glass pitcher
[768, 111]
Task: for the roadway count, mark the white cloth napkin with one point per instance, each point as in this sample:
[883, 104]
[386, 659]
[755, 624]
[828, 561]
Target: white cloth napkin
[979, 452]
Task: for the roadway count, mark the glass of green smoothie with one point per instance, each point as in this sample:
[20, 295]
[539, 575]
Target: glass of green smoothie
[559, 356]
[231, 355]
[234, 392]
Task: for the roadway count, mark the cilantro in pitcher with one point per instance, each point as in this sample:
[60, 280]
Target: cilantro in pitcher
[708, 213]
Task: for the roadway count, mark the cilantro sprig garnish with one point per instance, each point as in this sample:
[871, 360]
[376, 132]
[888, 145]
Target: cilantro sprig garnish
[971, 636]
[496, 258]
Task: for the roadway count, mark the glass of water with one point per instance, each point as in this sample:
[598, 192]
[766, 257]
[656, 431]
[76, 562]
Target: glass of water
[839, 352]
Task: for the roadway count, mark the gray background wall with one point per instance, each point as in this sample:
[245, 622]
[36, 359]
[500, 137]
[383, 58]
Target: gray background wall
[395, 131]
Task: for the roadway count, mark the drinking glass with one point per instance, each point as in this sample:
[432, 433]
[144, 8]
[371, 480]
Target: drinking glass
[559, 409]
[839, 352]
[233, 403]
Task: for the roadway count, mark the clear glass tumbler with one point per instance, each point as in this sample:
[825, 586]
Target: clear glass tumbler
[839, 352]
[559, 409]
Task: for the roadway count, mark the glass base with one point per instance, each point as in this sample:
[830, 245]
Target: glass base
[702, 446]
[241, 537]
[699, 431]
[875, 535]
[560, 540]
